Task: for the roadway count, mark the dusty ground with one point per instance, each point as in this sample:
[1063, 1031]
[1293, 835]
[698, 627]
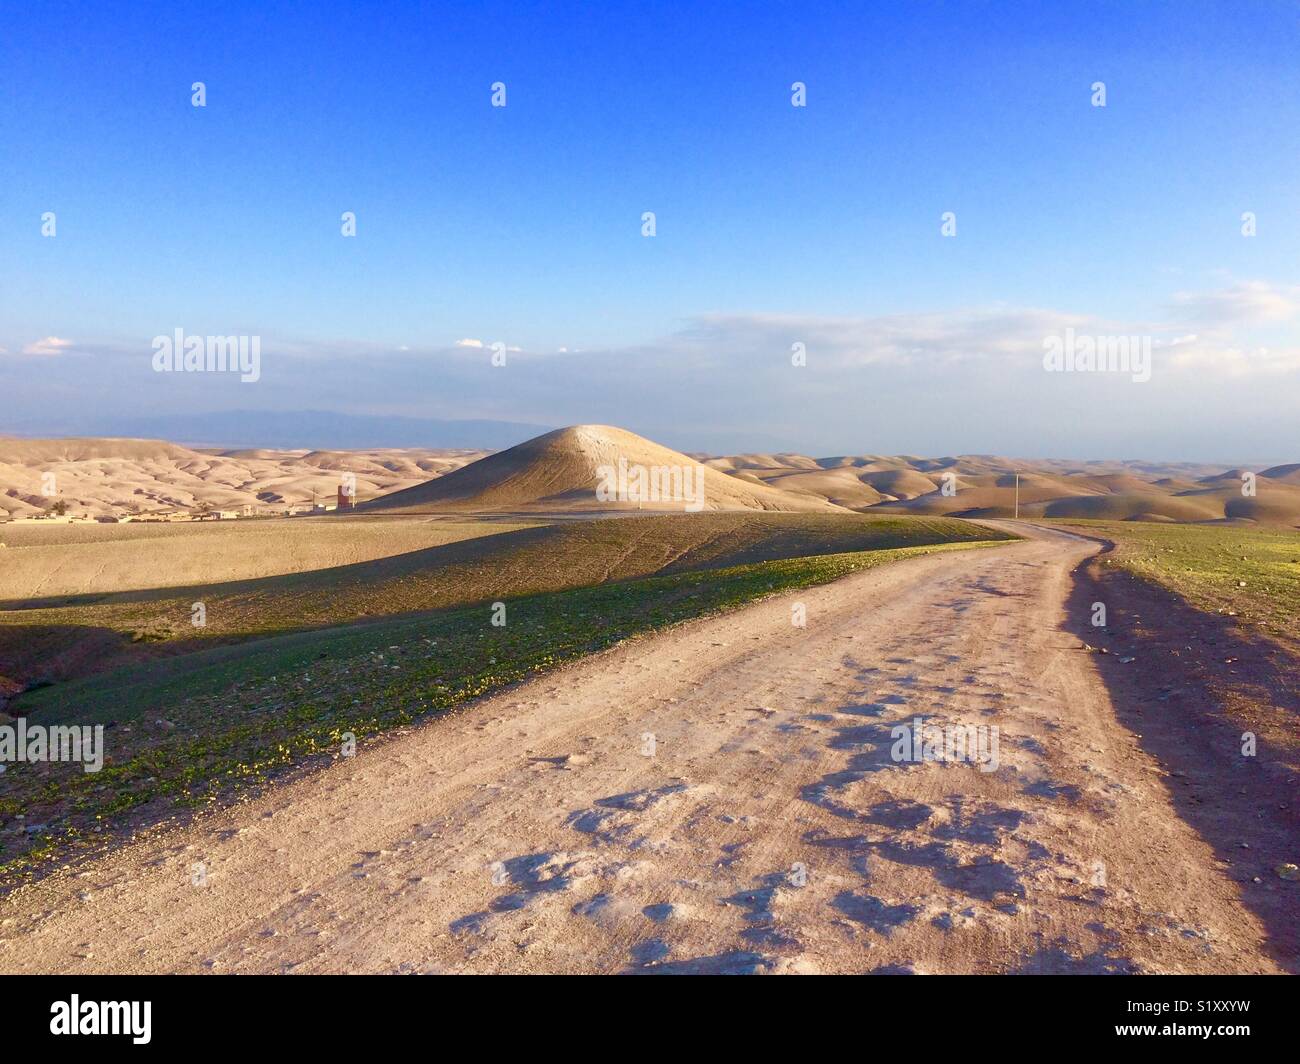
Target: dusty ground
[765, 827]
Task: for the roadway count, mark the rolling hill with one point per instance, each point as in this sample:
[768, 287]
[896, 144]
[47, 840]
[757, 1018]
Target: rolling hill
[985, 486]
[123, 476]
[562, 470]
[558, 473]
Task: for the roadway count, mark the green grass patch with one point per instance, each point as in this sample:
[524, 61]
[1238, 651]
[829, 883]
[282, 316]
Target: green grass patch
[1251, 573]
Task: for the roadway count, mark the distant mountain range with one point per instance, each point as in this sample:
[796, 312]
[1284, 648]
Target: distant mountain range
[287, 430]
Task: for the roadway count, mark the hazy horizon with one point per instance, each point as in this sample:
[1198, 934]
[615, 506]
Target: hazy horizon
[512, 434]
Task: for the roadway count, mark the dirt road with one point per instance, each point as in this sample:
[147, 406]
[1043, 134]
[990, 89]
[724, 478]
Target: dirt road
[717, 798]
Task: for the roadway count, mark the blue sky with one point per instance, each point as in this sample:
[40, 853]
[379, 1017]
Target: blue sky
[775, 224]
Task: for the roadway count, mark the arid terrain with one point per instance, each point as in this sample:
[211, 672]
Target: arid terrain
[556, 472]
[119, 478]
[650, 489]
[986, 486]
[495, 722]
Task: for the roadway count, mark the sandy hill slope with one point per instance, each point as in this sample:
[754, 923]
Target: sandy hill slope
[839, 486]
[561, 471]
[851, 482]
[1289, 474]
[761, 462]
[121, 476]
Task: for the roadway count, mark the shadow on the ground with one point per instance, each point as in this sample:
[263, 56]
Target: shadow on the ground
[1194, 685]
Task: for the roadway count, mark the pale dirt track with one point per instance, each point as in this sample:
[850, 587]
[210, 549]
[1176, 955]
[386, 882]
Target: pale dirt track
[532, 832]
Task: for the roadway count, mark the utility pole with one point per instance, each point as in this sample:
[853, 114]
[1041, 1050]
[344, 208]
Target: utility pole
[1017, 496]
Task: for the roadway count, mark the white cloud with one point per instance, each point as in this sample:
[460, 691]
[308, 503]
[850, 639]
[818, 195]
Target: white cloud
[50, 345]
[926, 340]
[1247, 302]
[1205, 330]
[1232, 361]
[469, 342]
